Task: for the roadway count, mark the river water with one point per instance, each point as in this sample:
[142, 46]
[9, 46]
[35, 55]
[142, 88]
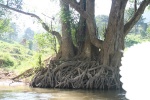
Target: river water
[26, 93]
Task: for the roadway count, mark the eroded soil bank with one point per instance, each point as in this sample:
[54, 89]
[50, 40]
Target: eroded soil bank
[6, 79]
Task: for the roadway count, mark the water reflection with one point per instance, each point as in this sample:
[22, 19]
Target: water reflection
[25, 93]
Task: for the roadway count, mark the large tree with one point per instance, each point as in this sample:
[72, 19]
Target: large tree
[91, 63]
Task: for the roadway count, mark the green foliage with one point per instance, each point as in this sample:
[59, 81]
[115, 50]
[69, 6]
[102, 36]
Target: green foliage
[140, 26]
[129, 13]
[73, 34]
[34, 61]
[14, 55]
[132, 39]
[65, 13]
[101, 22]
[46, 41]
[148, 33]
[5, 26]
[6, 60]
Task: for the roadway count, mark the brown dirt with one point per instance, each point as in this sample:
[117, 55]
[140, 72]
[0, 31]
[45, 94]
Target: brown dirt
[4, 74]
[6, 79]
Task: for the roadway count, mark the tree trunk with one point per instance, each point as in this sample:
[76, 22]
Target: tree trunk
[67, 44]
[114, 40]
[86, 49]
[81, 33]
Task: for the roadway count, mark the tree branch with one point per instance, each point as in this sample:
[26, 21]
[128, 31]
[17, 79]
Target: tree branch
[129, 25]
[44, 25]
[135, 5]
[77, 7]
[91, 25]
[57, 35]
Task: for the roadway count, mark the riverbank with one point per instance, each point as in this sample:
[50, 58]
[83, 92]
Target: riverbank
[6, 79]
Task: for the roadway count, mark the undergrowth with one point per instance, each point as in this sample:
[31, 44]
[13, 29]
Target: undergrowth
[16, 57]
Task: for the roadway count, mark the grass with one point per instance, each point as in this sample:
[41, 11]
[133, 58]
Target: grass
[18, 58]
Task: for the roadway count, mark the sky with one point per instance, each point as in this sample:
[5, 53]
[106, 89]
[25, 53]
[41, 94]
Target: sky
[40, 7]
[102, 7]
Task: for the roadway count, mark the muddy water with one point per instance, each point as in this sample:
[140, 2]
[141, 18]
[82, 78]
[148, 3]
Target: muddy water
[26, 93]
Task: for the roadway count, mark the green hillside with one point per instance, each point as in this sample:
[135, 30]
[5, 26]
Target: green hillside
[14, 56]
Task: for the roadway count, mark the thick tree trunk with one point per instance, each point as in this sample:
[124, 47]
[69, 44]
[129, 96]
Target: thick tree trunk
[85, 45]
[83, 40]
[81, 35]
[114, 40]
[86, 49]
[90, 7]
[67, 44]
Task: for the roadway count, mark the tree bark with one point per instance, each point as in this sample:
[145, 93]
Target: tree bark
[67, 44]
[91, 24]
[86, 49]
[89, 18]
[81, 33]
[114, 39]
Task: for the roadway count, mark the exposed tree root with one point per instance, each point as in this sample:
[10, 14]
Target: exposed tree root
[78, 75]
[25, 74]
